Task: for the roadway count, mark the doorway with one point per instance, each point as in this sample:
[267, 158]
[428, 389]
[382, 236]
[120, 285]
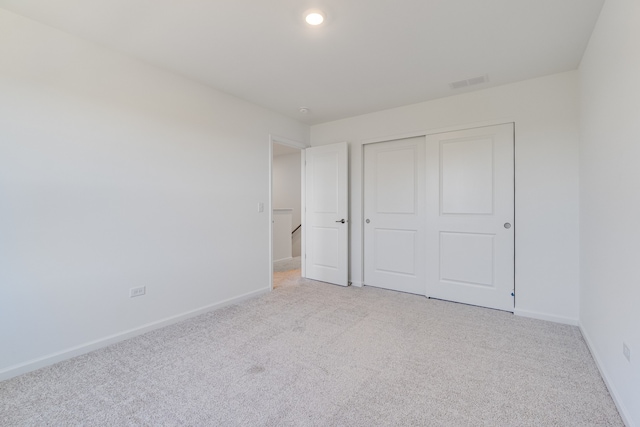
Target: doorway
[286, 222]
[308, 195]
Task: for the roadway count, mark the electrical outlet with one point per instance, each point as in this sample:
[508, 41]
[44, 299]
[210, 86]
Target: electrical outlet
[136, 292]
[626, 351]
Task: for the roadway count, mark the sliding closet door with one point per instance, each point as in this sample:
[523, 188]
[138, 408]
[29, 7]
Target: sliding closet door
[394, 211]
[470, 216]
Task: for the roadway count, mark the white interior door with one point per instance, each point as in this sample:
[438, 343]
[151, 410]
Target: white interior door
[394, 212]
[327, 214]
[470, 216]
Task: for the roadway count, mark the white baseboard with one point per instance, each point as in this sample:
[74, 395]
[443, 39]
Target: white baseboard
[78, 350]
[356, 284]
[603, 373]
[546, 316]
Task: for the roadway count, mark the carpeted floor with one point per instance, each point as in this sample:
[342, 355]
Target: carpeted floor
[286, 273]
[287, 264]
[310, 353]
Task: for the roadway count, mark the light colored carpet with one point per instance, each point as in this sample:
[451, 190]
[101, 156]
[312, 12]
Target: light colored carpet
[287, 264]
[286, 278]
[310, 353]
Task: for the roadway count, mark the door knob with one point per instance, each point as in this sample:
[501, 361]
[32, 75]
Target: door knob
[507, 225]
[367, 221]
[342, 221]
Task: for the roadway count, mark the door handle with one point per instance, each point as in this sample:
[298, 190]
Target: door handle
[342, 221]
[507, 225]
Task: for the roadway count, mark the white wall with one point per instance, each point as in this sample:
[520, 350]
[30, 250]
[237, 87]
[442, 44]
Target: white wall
[116, 174]
[610, 199]
[545, 111]
[287, 191]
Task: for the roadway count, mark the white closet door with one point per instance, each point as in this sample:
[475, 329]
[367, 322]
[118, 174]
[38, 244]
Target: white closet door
[394, 211]
[470, 216]
[327, 214]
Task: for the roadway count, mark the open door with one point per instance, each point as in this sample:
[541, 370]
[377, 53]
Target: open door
[327, 214]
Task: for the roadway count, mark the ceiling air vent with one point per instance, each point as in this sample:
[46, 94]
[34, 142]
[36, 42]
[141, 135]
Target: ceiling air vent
[459, 85]
[469, 82]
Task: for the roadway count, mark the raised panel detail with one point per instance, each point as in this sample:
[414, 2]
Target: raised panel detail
[467, 177]
[395, 186]
[325, 247]
[467, 258]
[395, 251]
[325, 181]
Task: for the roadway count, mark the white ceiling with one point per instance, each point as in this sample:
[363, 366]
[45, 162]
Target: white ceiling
[368, 56]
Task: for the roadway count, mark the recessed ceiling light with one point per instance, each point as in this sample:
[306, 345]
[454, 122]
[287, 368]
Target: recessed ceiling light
[314, 17]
